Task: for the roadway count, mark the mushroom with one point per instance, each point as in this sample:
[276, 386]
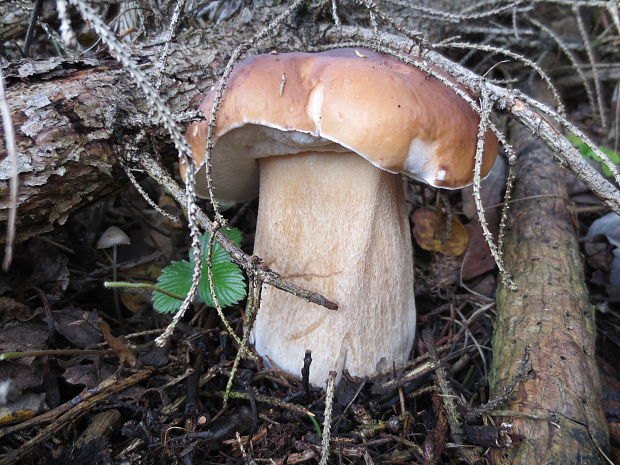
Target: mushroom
[113, 237]
[321, 138]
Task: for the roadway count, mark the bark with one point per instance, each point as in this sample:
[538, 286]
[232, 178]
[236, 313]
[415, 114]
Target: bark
[550, 314]
[64, 149]
[73, 118]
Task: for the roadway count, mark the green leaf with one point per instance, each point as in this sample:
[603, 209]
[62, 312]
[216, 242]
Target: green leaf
[233, 234]
[587, 152]
[228, 279]
[177, 279]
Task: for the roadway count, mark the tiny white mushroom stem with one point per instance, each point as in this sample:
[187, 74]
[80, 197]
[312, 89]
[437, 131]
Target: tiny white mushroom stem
[334, 223]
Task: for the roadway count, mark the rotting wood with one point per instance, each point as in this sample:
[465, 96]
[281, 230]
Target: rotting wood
[72, 120]
[99, 428]
[550, 314]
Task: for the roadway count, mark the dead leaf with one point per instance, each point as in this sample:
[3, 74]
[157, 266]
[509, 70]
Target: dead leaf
[50, 270]
[168, 204]
[478, 259]
[10, 309]
[22, 338]
[78, 326]
[120, 348]
[429, 229]
[88, 375]
[27, 406]
[608, 226]
[134, 301]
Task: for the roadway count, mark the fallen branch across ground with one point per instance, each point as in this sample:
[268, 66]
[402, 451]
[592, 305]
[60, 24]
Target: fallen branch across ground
[549, 313]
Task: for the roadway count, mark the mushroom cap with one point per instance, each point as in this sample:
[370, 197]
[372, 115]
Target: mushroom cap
[394, 115]
[111, 237]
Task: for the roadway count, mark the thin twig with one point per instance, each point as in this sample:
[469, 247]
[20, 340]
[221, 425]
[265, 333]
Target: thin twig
[526, 61]
[66, 32]
[159, 67]
[69, 412]
[327, 424]
[590, 52]
[9, 137]
[216, 300]
[457, 433]
[503, 397]
[254, 297]
[485, 105]
[34, 17]
[519, 106]
[120, 52]
[219, 91]
[574, 62]
[267, 400]
[146, 197]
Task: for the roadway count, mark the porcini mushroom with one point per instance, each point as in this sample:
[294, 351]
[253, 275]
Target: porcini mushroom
[321, 138]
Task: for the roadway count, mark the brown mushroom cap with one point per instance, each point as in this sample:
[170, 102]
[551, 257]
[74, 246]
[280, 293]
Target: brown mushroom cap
[394, 115]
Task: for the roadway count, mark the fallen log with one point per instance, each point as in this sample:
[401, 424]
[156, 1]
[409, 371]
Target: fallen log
[74, 117]
[71, 120]
[556, 410]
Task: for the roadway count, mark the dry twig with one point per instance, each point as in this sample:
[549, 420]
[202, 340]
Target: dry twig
[9, 137]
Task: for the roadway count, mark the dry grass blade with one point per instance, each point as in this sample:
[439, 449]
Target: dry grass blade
[9, 137]
[327, 424]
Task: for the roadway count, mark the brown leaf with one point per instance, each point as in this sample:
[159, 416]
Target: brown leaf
[429, 230]
[78, 326]
[88, 375]
[120, 348]
[478, 259]
[134, 301]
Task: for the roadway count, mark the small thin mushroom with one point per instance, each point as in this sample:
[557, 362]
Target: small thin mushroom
[113, 237]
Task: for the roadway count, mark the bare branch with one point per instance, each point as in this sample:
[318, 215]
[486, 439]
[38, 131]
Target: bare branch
[9, 137]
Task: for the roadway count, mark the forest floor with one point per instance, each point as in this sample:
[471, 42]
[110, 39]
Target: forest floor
[95, 388]
[162, 406]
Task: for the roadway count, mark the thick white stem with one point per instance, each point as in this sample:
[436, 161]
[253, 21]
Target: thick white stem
[333, 223]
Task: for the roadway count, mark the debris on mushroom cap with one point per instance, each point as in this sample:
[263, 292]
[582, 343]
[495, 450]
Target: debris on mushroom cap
[399, 118]
[111, 237]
